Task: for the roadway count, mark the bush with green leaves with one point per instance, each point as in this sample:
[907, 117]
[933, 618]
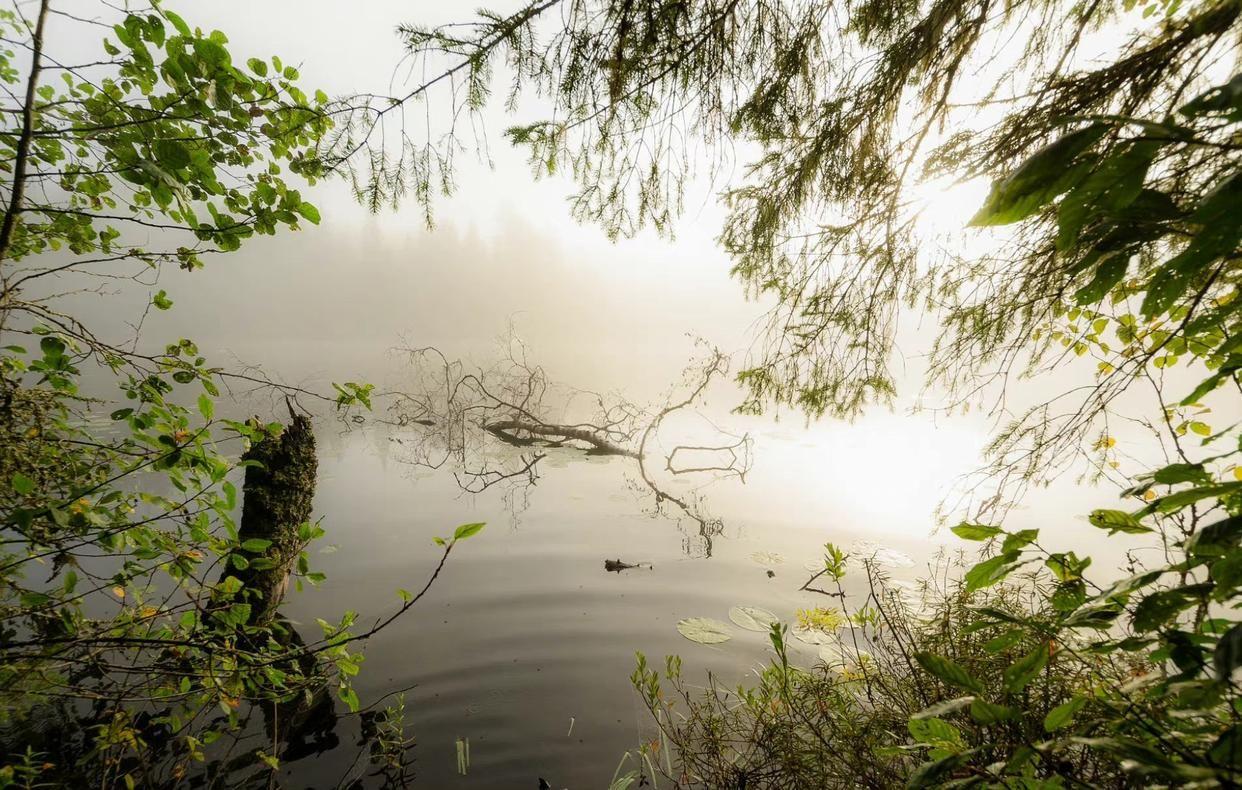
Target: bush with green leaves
[132, 653]
[1019, 672]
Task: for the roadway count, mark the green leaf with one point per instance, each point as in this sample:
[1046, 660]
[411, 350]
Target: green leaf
[466, 530]
[1216, 538]
[948, 671]
[1061, 715]
[205, 406]
[22, 484]
[1047, 173]
[172, 154]
[1111, 270]
[934, 732]
[1117, 521]
[349, 697]
[309, 212]
[1228, 654]
[1227, 750]
[255, 545]
[1181, 473]
[161, 300]
[1021, 672]
[177, 22]
[1066, 566]
[1069, 595]
[930, 774]
[975, 531]
[1016, 541]
[704, 630]
[1159, 607]
[941, 708]
[1112, 185]
[1098, 617]
[752, 618]
[986, 712]
[1005, 641]
[989, 572]
[1174, 502]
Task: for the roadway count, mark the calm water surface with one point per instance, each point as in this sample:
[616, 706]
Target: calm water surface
[525, 634]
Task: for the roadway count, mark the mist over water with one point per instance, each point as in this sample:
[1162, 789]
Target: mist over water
[525, 643]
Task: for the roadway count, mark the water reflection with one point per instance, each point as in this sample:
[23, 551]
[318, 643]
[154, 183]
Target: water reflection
[502, 424]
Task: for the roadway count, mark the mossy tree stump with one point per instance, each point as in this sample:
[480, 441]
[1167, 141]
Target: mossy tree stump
[278, 494]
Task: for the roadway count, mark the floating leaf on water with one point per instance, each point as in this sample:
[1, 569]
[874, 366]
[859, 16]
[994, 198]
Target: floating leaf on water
[881, 555]
[704, 630]
[814, 636]
[752, 618]
[767, 558]
[831, 656]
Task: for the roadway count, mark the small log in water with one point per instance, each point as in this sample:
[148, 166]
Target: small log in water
[555, 435]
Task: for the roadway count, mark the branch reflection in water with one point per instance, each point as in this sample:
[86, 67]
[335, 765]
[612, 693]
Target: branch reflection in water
[500, 424]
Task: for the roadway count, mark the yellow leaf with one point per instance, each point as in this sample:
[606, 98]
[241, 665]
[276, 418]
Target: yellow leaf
[1237, 472]
[118, 591]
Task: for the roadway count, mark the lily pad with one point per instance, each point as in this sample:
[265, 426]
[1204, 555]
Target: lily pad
[831, 656]
[767, 558]
[814, 636]
[752, 618]
[881, 555]
[704, 630]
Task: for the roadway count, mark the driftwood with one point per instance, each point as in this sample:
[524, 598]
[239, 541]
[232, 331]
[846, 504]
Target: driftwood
[616, 566]
[453, 412]
[553, 435]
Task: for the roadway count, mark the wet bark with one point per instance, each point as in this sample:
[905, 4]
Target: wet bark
[554, 435]
[278, 495]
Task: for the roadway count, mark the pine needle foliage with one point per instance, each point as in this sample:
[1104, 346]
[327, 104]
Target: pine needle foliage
[837, 109]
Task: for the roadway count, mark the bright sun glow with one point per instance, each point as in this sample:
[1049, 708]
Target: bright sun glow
[944, 207]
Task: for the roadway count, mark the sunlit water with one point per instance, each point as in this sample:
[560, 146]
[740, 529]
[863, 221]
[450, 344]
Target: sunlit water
[525, 643]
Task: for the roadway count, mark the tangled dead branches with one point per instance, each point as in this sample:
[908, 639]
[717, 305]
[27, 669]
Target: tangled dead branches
[471, 421]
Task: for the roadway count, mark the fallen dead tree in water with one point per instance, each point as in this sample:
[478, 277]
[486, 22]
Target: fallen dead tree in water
[454, 416]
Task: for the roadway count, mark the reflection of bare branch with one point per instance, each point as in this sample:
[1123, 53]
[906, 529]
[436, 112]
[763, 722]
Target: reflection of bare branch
[708, 528]
[475, 482]
[467, 419]
[736, 465]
